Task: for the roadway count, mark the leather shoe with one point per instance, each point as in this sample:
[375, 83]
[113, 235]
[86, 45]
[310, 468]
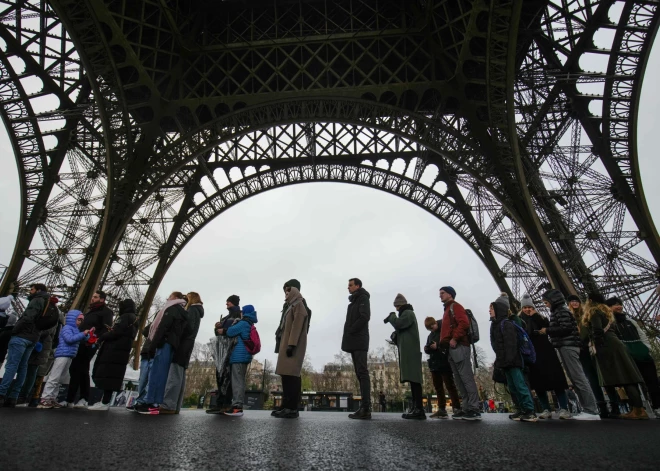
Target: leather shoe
[361, 414]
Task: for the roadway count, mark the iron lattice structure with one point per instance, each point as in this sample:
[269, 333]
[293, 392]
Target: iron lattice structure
[136, 122]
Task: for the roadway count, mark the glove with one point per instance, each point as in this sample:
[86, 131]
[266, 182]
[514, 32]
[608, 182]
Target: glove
[38, 347]
[387, 319]
[289, 350]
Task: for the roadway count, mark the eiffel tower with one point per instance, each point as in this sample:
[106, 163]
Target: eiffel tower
[135, 123]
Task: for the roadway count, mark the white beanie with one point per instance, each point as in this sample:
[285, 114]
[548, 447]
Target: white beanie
[526, 301]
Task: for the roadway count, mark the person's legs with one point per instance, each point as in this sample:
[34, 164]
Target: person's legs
[362, 372]
[182, 390]
[74, 376]
[30, 378]
[288, 385]
[21, 372]
[439, 389]
[107, 396]
[516, 382]
[88, 354]
[173, 386]
[416, 391]
[143, 381]
[448, 379]
[158, 371]
[238, 371]
[634, 397]
[570, 357]
[15, 351]
[543, 399]
[649, 373]
[562, 398]
[459, 358]
[60, 366]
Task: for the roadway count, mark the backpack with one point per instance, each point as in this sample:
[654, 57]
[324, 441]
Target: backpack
[525, 345]
[49, 318]
[473, 329]
[253, 343]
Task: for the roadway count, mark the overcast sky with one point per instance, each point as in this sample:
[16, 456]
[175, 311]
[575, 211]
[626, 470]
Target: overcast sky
[325, 233]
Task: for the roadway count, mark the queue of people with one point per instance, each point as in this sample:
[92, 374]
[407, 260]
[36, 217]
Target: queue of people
[596, 346]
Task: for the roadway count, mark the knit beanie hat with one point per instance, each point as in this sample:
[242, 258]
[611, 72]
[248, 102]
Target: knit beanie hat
[526, 301]
[573, 297]
[449, 290]
[293, 283]
[400, 300]
[235, 300]
[504, 299]
[613, 301]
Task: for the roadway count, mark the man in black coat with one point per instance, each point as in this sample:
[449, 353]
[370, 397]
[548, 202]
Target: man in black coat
[100, 317]
[356, 342]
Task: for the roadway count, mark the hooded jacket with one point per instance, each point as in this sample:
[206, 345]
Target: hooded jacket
[504, 338]
[70, 336]
[241, 330]
[194, 315]
[563, 330]
[25, 327]
[356, 327]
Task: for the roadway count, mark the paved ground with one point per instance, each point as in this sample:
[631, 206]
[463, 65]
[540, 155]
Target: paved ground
[119, 440]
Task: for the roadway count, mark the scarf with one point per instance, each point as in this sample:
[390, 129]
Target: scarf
[159, 316]
[97, 306]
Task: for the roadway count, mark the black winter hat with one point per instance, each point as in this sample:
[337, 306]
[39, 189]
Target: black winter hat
[613, 301]
[596, 297]
[292, 283]
[573, 297]
[234, 299]
[127, 305]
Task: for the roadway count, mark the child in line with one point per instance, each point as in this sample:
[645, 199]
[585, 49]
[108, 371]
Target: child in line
[67, 348]
[240, 358]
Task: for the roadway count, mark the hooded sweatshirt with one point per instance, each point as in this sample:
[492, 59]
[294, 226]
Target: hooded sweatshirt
[70, 336]
[241, 330]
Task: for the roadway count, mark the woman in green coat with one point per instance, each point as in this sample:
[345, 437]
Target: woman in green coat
[614, 364]
[410, 355]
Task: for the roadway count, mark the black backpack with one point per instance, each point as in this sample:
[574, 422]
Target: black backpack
[49, 318]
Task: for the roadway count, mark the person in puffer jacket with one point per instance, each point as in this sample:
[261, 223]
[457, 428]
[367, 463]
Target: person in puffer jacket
[240, 358]
[67, 348]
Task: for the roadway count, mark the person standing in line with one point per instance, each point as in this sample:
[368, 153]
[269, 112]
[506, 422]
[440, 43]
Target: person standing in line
[111, 362]
[639, 348]
[615, 366]
[7, 321]
[240, 358]
[24, 337]
[290, 360]
[98, 320]
[293, 283]
[440, 370]
[176, 378]
[67, 347]
[546, 374]
[356, 342]
[145, 358]
[410, 356]
[504, 340]
[589, 365]
[165, 335]
[454, 336]
[564, 335]
[38, 360]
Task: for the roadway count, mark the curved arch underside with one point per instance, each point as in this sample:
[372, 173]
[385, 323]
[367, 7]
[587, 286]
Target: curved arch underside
[429, 127]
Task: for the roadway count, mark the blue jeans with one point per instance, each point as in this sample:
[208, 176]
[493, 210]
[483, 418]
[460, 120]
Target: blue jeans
[144, 380]
[159, 367]
[518, 388]
[19, 350]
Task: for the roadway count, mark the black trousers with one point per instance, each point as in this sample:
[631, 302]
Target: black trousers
[291, 392]
[416, 391]
[107, 395]
[79, 372]
[650, 374]
[362, 372]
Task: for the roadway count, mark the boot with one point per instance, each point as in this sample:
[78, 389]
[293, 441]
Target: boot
[415, 414]
[637, 413]
[361, 413]
[604, 412]
[615, 413]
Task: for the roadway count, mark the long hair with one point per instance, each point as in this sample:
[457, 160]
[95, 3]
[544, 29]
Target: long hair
[178, 295]
[193, 298]
[577, 313]
[592, 307]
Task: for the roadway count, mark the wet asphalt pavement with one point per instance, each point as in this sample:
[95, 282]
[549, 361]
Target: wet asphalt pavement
[53, 440]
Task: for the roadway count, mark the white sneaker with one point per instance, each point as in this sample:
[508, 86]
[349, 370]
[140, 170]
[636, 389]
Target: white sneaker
[99, 406]
[64, 404]
[586, 416]
[69, 405]
[656, 412]
[81, 404]
[565, 415]
[546, 414]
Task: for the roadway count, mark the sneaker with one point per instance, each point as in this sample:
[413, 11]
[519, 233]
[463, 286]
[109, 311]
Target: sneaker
[415, 414]
[165, 411]
[458, 415]
[586, 416]
[235, 412]
[440, 414]
[146, 409]
[64, 404]
[360, 414]
[546, 414]
[275, 411]
[529, 417]
[58, 405]
[286, 414]
[472, 415]
[656, 412]
[515, 416]
[99, 406]
[46, 404]
[131, 408]
[565, 415]
[81, 404]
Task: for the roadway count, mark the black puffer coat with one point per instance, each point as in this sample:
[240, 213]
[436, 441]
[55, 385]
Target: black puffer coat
[563, 329]
[110, 365]
[504, 339]
[100, 317]
[356, 327]
[193, 317]
[546, 374]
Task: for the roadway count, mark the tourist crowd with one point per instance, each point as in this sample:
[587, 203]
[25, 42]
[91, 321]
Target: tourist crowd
[595, 345]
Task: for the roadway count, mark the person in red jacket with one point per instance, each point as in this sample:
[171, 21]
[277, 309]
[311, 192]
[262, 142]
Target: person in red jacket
[454, 336]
